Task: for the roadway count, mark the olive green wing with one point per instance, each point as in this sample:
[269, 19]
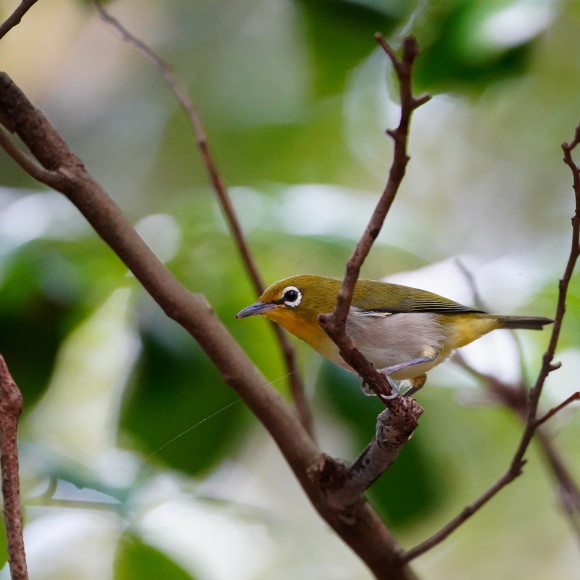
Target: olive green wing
[383, 298]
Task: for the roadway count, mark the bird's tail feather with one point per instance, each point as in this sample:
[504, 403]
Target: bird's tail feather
[528, 322]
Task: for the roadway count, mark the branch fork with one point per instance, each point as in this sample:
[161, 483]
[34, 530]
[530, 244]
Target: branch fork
[344, 484]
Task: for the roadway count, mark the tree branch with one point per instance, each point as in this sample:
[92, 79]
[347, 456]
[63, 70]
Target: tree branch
[514, 397]
[344, 485]
[395, 427]
[548, 415]
[10, 410]
[16, 16]
[220, 189]
[334, 324]
[66, 173]
[358, 524]
[403, 68]
[530, 412]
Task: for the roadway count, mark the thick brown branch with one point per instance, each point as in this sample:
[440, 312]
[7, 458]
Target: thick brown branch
[344, 485]
[186, 104]
[362, 530]
[10, 409]
[66, 173]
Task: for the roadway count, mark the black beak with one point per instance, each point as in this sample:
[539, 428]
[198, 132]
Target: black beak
[256, 308]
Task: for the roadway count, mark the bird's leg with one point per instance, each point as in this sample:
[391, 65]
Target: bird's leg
[417, 382]
[402, 366]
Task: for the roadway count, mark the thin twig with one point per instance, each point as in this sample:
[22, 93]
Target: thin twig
[549, 414]
[396, 424]
[471, 283]
[28, 164]
[547, 365]
[335, 323]
[465, 514]
[10, 410]
[403, 68]
[186, 104]
[530, 415]
[16, 16]
[514, 396]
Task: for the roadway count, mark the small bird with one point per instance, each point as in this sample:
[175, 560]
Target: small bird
[404, 332]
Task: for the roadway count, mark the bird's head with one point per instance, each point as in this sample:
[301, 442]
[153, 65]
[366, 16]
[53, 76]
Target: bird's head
[295, 303]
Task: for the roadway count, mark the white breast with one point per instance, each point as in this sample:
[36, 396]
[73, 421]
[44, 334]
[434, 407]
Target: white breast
[389, 339]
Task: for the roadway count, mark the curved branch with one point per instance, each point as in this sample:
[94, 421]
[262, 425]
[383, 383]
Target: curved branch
[221, 191]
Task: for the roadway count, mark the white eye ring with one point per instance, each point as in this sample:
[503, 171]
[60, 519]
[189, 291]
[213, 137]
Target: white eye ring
[291, 296]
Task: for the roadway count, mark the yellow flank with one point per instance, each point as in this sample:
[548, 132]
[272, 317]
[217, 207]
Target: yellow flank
[468, 327]
[404, 332]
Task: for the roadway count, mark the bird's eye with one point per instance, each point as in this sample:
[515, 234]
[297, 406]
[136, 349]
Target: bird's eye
[291, 296]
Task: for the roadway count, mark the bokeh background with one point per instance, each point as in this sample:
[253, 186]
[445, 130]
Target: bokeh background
[137, 461]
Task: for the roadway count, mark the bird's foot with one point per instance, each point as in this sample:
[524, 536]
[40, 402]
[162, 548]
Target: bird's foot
[395, 389]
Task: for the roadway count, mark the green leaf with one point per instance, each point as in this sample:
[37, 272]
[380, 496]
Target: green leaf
[456, 53]
[138, 561]
[47, 288]
[31, 323]
[340, 35]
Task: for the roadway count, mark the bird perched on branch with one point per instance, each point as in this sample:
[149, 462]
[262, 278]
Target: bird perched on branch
[404, 332]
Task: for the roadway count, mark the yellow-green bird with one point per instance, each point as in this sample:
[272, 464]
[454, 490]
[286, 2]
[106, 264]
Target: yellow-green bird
[404, 332]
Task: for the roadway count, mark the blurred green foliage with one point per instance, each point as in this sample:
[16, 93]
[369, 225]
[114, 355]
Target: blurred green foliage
[457, 56]
[337, 35]
[295, 103]
[178, 390]
[136, 560]
[3, 545]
